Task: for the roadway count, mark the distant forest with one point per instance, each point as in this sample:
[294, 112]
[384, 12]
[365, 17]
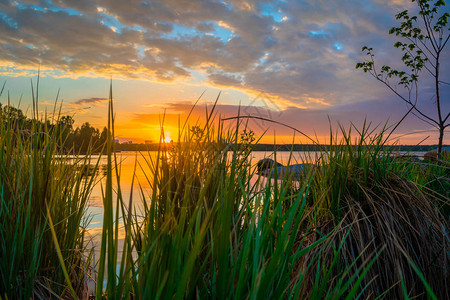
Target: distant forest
[72, 140]
[85, 137]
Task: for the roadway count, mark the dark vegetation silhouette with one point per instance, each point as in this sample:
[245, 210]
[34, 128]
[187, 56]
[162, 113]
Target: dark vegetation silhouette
[73, 140]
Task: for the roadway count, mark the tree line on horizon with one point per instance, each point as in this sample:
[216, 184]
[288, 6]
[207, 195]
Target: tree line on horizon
[81, 139]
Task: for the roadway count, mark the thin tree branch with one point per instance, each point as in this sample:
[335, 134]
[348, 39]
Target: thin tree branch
[427, 23]
[276, 122]
[448, 115]
[429, 71]
[446, 40]
[396, 125]
[413, 55]
[424, 120]
[438, 98]
[405, 100]
[425, 45]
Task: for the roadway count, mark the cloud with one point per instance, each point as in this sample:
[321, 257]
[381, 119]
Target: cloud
[90, 101]
[300, 52]
[225, 79]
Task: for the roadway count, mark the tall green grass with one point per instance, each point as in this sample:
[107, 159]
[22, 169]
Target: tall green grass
[211, 228]
[43, 196]
[372, 199]
[207, 230]
[360, 224]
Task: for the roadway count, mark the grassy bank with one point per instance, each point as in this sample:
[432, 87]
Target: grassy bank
[359, 224]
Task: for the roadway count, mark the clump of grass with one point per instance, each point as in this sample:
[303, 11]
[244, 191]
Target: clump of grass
[433, 177]
[363, 198]
[43, 197]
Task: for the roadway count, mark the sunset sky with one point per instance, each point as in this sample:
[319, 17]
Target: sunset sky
[290, 61]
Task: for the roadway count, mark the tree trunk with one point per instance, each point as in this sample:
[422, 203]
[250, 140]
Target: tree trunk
[441, 138]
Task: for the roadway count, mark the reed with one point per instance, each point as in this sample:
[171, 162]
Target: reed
[361, 223]
[43, 196]
[211, 228]
[206, 230]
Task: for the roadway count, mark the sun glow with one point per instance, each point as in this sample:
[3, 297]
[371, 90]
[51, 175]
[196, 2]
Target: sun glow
[167, 140]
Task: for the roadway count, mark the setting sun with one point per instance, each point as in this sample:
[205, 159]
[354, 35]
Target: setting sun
[167, 140]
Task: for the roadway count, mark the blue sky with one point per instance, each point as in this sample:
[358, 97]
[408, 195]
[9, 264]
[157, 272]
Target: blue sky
[163, 54]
